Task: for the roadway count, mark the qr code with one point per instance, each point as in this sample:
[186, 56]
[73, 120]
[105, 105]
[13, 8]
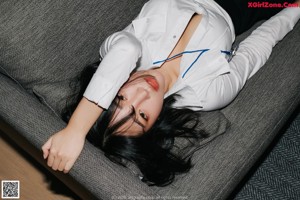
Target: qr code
[10, 189]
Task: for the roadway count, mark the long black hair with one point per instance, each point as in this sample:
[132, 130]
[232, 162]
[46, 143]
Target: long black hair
[154, 152]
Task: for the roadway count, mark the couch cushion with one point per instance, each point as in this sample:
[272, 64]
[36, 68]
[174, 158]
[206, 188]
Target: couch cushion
[256, 116]
[26, 54]
[36, 123]
[44, 44]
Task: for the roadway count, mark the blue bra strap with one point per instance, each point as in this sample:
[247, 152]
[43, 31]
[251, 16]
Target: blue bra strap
[188, 52]
[179, 54]
[183, 75]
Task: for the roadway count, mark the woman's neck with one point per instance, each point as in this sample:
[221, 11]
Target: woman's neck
[170, 76]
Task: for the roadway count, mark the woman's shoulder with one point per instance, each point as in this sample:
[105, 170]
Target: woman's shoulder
[154, 7]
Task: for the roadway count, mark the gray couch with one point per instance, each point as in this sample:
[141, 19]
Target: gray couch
[45, 44]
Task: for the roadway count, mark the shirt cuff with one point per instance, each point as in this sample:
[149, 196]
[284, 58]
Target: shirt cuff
[103, 94]
[293, 14]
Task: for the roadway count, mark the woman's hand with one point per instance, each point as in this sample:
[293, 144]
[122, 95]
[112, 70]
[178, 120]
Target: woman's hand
[62, 149]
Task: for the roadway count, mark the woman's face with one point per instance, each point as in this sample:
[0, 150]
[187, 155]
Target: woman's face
[143, 93]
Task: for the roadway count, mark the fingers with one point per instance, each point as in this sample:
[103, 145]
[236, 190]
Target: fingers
[58, 162]
[50, 160]
[66, 171]
[46, 147]
[68, 166]
[55, 161]
[62, 150]
[61, 166]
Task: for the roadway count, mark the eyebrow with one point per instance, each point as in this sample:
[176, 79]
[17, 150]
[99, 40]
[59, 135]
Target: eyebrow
[135, 118]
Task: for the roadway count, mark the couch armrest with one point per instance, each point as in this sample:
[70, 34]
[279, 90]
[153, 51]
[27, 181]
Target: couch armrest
[19, 140]
[34, 123]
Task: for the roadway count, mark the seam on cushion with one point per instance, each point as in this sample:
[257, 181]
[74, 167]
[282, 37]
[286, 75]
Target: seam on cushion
[251, 158]
[40, 97]
[43, 100]
[11, 77]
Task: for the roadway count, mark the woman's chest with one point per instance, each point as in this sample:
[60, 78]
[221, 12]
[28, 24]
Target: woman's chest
[174, 58]
[182, 33]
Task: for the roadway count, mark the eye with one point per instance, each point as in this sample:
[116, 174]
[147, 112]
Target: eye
[121, 97]
[143, 115]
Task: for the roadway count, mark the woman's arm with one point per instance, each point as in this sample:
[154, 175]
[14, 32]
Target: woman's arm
[121, 52]
[256, 49]
[63, 148]
[252, 54]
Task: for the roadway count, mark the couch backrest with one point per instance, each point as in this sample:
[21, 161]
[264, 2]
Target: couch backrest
[44, 44]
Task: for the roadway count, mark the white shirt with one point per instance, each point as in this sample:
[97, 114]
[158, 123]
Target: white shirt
[211, 82]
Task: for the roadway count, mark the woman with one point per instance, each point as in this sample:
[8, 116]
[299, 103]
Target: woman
[174, 59]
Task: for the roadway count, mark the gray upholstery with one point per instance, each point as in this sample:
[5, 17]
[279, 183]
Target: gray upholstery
[53, 40]
[278, 176]
[45, 44]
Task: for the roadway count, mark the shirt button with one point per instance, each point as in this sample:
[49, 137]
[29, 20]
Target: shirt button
[174, 36]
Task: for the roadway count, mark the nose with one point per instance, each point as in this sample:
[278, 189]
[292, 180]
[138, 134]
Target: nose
[140, 96]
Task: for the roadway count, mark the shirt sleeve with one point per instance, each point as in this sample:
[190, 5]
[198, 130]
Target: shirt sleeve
[120, 53]
[252, 54]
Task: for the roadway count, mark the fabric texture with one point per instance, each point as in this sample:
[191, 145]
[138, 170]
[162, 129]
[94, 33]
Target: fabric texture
[278, 176]
[36, 122]
[39, 41]
[44, 44]
[152, 36]
[256, 116]
[50, 80]
[212, 82]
